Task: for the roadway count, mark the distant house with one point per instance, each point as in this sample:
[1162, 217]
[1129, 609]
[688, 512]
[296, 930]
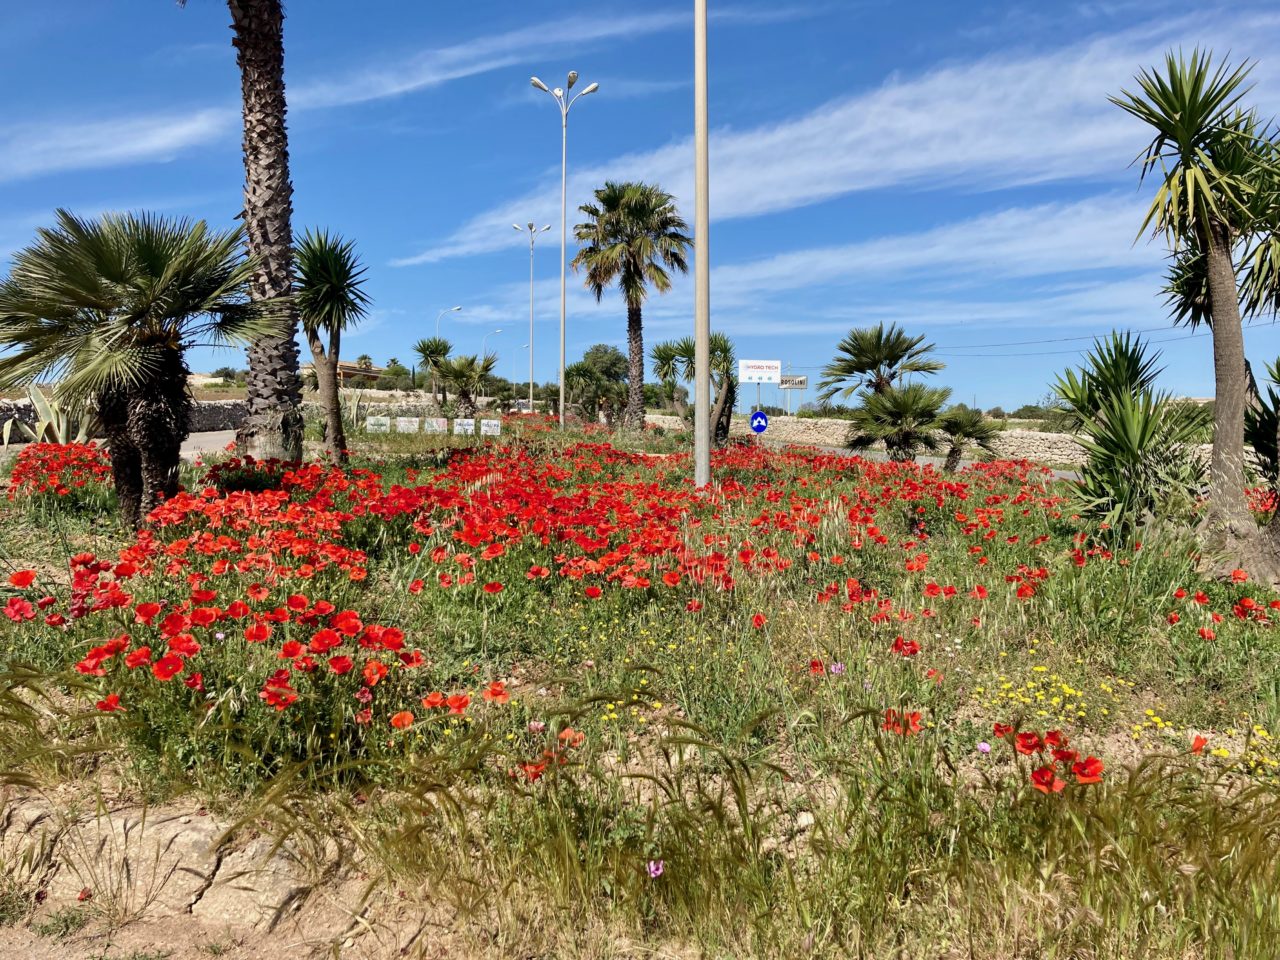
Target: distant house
[352, 375]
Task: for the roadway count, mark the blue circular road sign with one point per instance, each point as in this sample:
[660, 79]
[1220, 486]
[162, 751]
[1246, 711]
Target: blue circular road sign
[759, 421]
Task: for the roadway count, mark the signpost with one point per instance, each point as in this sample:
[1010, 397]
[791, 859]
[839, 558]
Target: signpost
[759, 421]
[490, 428]
[435, 425]
[793, 382]
[406, 424]
[758, 372]
[377, 424]
[464, 427]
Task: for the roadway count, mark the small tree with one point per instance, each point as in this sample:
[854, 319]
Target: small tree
[904, 418]
[965, 426]
[331, 299]
[874, 358]
[466, 375]
[108, 307]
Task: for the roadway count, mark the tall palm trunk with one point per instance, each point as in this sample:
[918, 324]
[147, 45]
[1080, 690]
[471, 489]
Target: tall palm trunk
[1228, 521]
[159, 412]
[273, 427]
[126, 462]
[633, 417]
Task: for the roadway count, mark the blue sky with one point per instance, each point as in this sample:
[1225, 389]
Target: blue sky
[953, 167]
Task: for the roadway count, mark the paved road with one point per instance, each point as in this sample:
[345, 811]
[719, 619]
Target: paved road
[211, 442]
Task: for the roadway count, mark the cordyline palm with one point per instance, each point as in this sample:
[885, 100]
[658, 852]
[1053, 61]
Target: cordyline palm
[904, 419]
[107, 308]
[1215, 174]
[633, 236]
[963, 427]
[875, 358]
[330, 299]
[432, 351]
[273, 427]
[466, 375]
[674, 360]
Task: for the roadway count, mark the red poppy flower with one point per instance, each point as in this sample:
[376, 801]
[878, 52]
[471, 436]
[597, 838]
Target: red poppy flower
[537, 573]
[1239, 576]
[1207, 634]
[416, 586]
[194, 682]
[532, 771]
[110, 704]
[257, 632]
[1088, 770]
[693, 606]
[1002, 730]
[458, 703]
[493, 587]
[22, 579]
[593, 592]
[759, 620]
[817, 668]
[1198, 743]
[146, 612]
[374, 671]
[904, 647]
[402, 720]
[1028, 743]
[1046, 780]
[903, 724]
[340, 665]
[138, 658]
[572, 738]
[434, 701]
[497, 692]
[167, 667]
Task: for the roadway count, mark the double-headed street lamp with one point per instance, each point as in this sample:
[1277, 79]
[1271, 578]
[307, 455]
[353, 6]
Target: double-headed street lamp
[533, 235]
[564, 103]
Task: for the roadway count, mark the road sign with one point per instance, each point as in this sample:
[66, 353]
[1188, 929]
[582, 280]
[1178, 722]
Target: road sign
[790, 382]
[759, 421]
[377, 424]
[759, 371]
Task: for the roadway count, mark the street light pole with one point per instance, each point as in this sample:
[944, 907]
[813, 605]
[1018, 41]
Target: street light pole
[484, 340]
[441, 314]
[564, 104]
[533, 235]
[702, 257]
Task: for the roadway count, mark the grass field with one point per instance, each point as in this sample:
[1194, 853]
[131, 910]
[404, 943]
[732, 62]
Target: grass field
[832, 708]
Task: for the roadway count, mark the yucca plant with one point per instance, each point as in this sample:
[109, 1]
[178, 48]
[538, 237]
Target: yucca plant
[905, 419]
[1136, 438]
[1261, 422]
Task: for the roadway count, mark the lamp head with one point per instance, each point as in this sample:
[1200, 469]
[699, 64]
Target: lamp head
[558, 93]
[573, 78]
[515, 226]
[591, 89]
[539, 84]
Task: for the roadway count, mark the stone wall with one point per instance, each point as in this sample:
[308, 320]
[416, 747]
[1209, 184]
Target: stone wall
[1054, 448]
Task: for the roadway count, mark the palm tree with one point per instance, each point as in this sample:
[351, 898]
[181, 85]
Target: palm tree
[273, 427]
[875, 358]
[904, 418]
[673, 360]
[108, 307]
[633, 235]
[467, 375]
[431, 353]
[584, 384]
[330, 299]
[1213, 168]
[963, 425]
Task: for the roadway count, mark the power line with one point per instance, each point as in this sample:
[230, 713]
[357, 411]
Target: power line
[1054, 353]
[1020, 343]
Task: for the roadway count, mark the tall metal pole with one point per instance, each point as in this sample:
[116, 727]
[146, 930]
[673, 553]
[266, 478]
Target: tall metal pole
[702, 257]
[564, 188]
[531, 236]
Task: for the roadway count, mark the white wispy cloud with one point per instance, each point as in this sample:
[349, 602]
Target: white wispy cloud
[33, 149]
[1001, 121]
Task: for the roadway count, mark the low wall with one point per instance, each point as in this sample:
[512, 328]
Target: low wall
[1056, 448]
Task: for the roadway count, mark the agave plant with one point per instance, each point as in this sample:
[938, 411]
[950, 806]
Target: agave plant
[905, 419]
[56, 421]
